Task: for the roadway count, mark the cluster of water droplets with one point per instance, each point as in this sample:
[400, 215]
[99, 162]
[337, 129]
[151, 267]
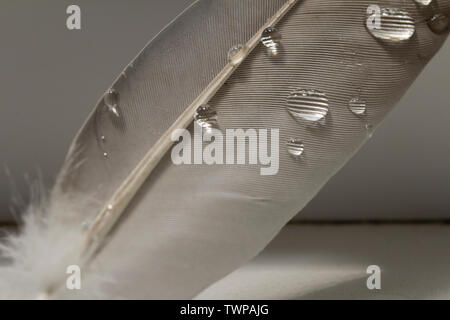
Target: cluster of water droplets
[311, 105]
[102, 142]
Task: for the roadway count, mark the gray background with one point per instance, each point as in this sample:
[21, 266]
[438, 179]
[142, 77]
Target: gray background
[51, 78]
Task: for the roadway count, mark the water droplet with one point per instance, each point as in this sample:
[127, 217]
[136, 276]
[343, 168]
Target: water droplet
[235, 54]
[103, 138]
[370, 130]
[271, 38]
[206, 116]
[110, 207]
[395, 25]
[309, 105]
[85, 225]
[111, 100]
[295, 148]
[424, 2]
[439, 23]
[357, 106]
[105, 154]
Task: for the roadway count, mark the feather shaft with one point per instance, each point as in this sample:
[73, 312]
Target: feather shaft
[114, 208]
[109, 215]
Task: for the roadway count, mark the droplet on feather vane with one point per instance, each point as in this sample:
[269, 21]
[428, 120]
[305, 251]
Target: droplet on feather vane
[395, 25]
[370, 130]
[357, 106]
[235, 54]
[308, 105]
[295, 148]
[206, 116]
[111, 100]
[85, 225]
[439, 23]
[271, 39]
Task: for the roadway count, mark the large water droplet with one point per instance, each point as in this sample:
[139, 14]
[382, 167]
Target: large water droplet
[439, 23]
[206, 116]
[357, 106]
[295, 148]
[395, 25]
[271, 38]
[309, 105]
[235, 53]
[111, 100]
[424, 2]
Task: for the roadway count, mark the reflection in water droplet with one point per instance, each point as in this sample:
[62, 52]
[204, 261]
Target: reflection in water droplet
[357, 106]
[235, 54]
[309, 105]
[271, 38]
[395, 25]
[206, 116]
[111, 100]
[439, 23]
[424, 2]
[295, 148]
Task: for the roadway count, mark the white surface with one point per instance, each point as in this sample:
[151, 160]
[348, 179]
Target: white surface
[330, 262]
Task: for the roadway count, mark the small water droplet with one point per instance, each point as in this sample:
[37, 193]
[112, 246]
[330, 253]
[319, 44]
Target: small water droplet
[439, 23]
[357, 106]
[206, 116]
[395, 25]
[424, 2]
[271, 38]
[370, 130]
[105, 154]
[111, 100]
[235, 54]
[309, 105]
[295, 148]
[103, 138]
[110, 207]
[85, 225]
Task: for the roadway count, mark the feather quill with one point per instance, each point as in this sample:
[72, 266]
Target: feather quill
[157, 230]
